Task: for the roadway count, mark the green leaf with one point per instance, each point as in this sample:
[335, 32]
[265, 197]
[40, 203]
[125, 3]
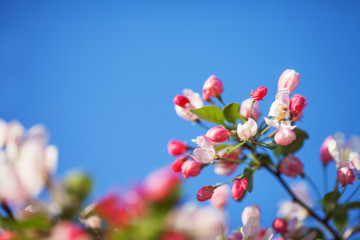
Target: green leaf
[228, 151]
[220, 147]
[352, 205]
[209, 113]
[271, 146]
[294, 146]
[341, 220]
[330, 200]
[265, 158]
[231, 112]
[248, 174]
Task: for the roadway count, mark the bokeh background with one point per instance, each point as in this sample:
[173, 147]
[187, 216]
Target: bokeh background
[102, 77]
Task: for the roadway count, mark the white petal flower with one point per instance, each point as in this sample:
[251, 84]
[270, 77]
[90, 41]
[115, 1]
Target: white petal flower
[195, 102]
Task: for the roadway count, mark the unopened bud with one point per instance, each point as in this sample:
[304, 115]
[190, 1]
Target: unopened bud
[259, 93]
[291, 166]
[280, 225]
[176, 147]
[297, 104]
[205, 193]
[177, 164]
[218, 134]
[238, 188]
[284, 136]
[213, 87]
[181, 100]
[345, 176]
[191, 169]
[289, 79]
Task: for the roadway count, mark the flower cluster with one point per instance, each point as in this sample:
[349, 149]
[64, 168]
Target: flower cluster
[236, 141]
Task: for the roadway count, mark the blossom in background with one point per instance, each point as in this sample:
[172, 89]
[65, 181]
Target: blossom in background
[250, 211]
[205, 153]
[296, 230]
[26, 161]
[291, 166]
[344, 152]
[220, 196]
[195, 102]
[225, 168]
[290, 209]
[69, 231]
[245, 109]
[176, 147]
[201, 223]
[325, 155]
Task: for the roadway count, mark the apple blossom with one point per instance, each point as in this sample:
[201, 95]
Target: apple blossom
[238, 188]
[176, 147]
[223, 167]
[297, 104]
[220, 196]
[195, 102]
[259, 93]
[191, 169]
[247, 130]
[218, 134]
[213, 87]
[205, 193]
[245, 109]
[250, 211]
[296, 230]
[280, 225]
[181, 101]
[284, 136]
[289, 79]
[205, 153]
[69, 231]
[325, 155]
[345, 176]
[177, 164]
[291, 166]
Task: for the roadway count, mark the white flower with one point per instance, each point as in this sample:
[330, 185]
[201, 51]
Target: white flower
[205, 153]
[195, 102]
[344, 152]
[252, 230]
[247, 130]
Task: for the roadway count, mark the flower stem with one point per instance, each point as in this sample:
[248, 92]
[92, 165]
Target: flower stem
[251, 107]
[229, 160]
[352, 194]
[7, 209]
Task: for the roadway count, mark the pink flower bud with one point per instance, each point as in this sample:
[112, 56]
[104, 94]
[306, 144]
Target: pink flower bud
[177, 164]
[218, 134]
[238, 188]
[235, 236]
[176, 147]
[280, 225]
[289, 79]
[181, 100]
[248, 212]
[191, 169]
[205, 193]
[324, 151]
[259, 93]
[213, 87]
[345, 176]
[297, 104]
[245, 109]
[247, 130]
[284, 136]
[220, 197]
[291, 166]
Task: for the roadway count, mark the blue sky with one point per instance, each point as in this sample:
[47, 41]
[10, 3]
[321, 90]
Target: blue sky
[102, 76]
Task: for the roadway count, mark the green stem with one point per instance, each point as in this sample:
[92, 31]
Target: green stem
[265, 130]
[201, 124]
[251, 107]
[229, 160]
[325, 179]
